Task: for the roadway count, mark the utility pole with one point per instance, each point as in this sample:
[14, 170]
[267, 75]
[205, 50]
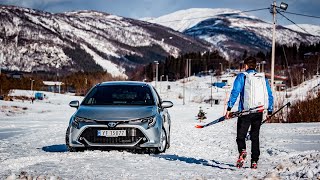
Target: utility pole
[160, 82]
[303, 69]
[189, 67]
[318, 54]
[86, 85]
[31, 84]
[184, 81]
[1, 58]
[221, 68]
[184, 86]
[284, 7]
[145, 73]
[211, 74]
[263, 63]
[156, 79]
[317, 65]
[274, 11]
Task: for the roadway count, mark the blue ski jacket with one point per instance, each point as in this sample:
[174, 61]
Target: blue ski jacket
[238, 88]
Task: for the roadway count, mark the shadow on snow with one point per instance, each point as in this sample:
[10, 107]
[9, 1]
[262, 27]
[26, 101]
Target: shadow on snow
[169, 157]
[189, 160]
[55, 148]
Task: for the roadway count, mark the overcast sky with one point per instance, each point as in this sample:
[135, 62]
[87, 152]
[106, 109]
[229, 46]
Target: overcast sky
[155, 8]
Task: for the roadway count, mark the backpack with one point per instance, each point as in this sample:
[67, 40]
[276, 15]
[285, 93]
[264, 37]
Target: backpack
[255, 91]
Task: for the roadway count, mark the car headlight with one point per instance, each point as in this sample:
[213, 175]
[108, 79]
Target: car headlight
[151, 120]
[77, 120]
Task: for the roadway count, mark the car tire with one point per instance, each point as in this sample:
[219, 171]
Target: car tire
[168, 139]
[163, 144]
[69, 148]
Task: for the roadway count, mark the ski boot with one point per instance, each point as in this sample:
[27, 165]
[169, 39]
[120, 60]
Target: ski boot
[241, 159]
[253, 165]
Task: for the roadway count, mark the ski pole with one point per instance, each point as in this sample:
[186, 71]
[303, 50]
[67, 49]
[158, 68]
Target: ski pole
[287, 104]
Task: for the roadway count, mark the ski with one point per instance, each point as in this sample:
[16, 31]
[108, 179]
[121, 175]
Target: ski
[264, 121]
[233, 115]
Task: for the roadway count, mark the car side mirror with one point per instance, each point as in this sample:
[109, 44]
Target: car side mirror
[74, 104]
[166, 104]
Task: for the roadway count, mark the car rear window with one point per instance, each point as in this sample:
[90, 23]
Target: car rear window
[119, 95]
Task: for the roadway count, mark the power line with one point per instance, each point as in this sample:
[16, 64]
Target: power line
[293, 22]
[298, 14]
[212, 15]
[253, 10]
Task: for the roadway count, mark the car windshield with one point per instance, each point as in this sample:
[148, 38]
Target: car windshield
[120, 95]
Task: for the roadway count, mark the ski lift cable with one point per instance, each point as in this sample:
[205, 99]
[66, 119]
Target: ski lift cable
[211, 16]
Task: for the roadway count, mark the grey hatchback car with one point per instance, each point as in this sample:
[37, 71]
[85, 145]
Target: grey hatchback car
[120, 114]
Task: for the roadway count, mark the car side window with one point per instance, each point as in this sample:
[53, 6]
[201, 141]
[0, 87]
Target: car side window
[90, 99]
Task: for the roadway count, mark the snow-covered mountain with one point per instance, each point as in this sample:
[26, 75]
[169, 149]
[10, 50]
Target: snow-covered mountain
[312, 29]
[231, 31]
[185, 19]
[33, 40]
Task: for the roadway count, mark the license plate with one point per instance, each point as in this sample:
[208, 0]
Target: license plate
[112, 133]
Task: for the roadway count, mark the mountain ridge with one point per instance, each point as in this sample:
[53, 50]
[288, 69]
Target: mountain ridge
[307, 28]
[36, 40]
[231, 31]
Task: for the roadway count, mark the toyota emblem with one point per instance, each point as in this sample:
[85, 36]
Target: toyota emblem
[112, 124]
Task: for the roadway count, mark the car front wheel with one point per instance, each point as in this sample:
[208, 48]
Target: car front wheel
[69, 148]
[163, 141]
[163, 144]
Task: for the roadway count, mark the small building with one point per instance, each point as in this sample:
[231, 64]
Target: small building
[310, 55]
[52, 86]
[228, 79]
[15, 75]
[279, 81]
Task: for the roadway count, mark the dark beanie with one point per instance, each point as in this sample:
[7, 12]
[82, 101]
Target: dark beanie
[251, 62]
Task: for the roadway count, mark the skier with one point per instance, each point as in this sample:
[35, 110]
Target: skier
[254, 90]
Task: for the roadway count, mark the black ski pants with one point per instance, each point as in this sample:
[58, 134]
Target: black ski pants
[244, 122]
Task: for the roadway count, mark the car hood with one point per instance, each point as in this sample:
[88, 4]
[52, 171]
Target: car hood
[111, 113]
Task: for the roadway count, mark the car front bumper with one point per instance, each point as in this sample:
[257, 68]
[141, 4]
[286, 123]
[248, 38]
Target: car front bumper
[137, 135]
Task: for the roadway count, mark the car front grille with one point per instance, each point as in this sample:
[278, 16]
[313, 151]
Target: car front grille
[132, 136]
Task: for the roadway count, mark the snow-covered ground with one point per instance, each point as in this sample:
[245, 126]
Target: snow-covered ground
[32, 143]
